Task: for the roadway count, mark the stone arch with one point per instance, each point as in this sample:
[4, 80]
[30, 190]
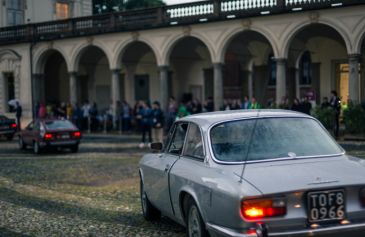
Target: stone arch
[359, 41]
[121, 48]
[10, 62]
[174, 41]
[80, 49]
[288, 39]
[40, 58]
[228, 38]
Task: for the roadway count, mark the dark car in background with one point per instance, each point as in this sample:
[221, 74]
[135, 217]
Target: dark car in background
[50, 133]
[8, 127]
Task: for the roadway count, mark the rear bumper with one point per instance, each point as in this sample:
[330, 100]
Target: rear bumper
[59, 143]
[7, 132]
[353, 230]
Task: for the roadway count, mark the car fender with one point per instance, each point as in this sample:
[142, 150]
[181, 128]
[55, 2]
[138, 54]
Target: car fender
[186, 190]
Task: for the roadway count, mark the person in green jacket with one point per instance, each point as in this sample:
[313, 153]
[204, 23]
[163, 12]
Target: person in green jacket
[254, 104]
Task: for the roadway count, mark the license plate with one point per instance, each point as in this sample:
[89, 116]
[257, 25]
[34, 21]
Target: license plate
[4, 127]
[65, 136]
[326, 206]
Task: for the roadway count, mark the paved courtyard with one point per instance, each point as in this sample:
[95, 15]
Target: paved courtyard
[92, 193]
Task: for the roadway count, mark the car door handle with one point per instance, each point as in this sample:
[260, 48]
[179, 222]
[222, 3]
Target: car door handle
[167, 168]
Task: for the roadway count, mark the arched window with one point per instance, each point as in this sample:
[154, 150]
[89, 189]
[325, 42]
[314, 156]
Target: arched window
[272, 70]
[306, 69]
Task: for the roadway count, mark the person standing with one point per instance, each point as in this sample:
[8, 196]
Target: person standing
[158, 119]
[126, 116]
[335, 103]
[146, 114]
[246, 103]
[306, 106]
[254, 104]
[18, 115]
[171, 113]
[85, 115]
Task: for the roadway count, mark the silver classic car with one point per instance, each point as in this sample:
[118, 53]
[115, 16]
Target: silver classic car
[254, 173]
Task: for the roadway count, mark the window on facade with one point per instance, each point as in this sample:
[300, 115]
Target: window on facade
[62, 10]
[272, 70]
[15, 12]
[194, 143]
[306, 69]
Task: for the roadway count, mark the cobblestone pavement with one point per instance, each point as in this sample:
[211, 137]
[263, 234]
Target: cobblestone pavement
[91, 193]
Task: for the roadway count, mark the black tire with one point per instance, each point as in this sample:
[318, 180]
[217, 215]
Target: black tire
[36, 148]
[9, 137]
[150, 213]
[74, 148]
[195, 226]
[21, 143]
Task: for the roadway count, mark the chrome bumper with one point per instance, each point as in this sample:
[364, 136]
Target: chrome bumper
[334, 231]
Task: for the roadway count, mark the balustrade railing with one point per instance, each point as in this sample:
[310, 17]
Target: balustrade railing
[188, 13]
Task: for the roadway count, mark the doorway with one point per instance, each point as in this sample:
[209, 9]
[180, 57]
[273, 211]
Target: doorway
[9, 90]
[142, 87]
[343, 83]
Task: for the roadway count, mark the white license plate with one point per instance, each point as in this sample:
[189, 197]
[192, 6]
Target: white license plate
[66, 136]
[326, 206]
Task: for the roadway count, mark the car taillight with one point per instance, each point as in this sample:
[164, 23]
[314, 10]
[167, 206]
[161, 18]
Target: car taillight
[48, 136]
[362, 196]
[76, 134]
[13, 125]
[263, 208]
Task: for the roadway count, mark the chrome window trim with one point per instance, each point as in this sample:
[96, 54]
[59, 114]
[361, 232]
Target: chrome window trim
[272, 159]
[203, 142]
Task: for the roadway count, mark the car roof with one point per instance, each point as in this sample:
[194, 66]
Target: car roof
[207, 119]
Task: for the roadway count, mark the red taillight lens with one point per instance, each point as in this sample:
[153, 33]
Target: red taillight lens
[48, 136]
[13, 125]
[76, 134]
[263, 208]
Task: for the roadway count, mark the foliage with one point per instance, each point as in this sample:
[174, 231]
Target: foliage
[325, 115]
[354, 119]
[105, 6]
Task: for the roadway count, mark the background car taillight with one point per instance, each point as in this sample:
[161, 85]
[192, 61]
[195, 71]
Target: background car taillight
[76, 134]
[263, 208]
[362, 196]
[48, 136]
[13, 125]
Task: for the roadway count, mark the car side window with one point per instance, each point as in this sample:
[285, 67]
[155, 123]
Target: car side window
[177, 142]
[194, 143]
[30, 126]
[36, 126]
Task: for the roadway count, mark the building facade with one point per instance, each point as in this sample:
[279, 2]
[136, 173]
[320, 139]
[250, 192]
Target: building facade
[18, 12]
[221, 49]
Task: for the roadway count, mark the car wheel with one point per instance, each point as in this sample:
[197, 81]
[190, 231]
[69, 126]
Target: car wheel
[36, 148]
[150, 213]
[9, 137]
[195, 223]
[22, 146]
[75, 148]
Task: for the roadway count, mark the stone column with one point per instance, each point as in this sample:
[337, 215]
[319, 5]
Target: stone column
[297, 83]
[354, 79]
[2, 94]
[250, 84]
[218, 86]
[115, 91]
[164, 86]
[280, 79]
[129, 82]
[73, 87]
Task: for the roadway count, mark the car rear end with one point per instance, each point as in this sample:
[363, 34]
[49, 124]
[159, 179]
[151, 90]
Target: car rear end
[59, 134]
[306, 184]
[8, 127]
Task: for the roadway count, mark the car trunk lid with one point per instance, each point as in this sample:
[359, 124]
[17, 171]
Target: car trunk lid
[303, 174]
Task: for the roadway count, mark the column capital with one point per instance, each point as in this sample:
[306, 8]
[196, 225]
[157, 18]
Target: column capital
[163, 67]
[354, 57]
[115, 70]
[280, 60]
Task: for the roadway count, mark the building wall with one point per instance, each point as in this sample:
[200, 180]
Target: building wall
[45, 10]
[278, 29]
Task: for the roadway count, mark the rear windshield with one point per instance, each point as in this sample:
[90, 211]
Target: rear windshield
[58, 124]
[270, 138]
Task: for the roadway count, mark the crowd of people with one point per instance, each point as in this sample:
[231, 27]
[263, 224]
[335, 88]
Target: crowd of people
[152, 121]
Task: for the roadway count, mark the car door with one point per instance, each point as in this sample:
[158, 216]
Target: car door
[160, 192]
[27, 132]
